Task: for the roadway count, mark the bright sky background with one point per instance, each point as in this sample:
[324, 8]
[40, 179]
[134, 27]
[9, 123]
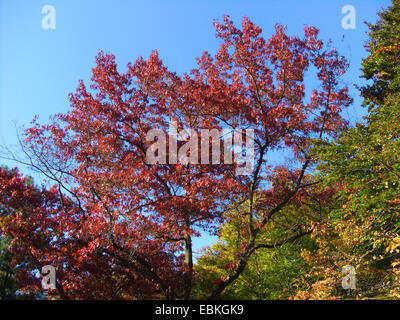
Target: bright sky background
[38, 67]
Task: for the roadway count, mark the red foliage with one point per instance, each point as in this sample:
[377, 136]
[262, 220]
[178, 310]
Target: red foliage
[115, 226]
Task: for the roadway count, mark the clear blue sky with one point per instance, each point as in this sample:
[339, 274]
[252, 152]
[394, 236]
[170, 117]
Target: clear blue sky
[38, 67]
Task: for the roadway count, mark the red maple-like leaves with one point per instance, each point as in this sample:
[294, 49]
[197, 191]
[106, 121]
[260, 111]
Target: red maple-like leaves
[116, 226]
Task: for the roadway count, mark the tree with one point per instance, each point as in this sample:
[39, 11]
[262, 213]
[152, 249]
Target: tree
[7, 276]
[381, 65]
[364, 230]
[22, 208]
[7, 280]
[273, 273]
[128, 225]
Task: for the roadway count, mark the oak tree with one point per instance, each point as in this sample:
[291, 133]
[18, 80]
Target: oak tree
[122, 227]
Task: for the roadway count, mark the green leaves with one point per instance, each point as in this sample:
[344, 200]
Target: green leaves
[382, 65]
[365, 162]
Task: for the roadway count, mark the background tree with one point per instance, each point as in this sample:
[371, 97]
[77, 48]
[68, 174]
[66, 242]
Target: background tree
[18, 198]
[8, 286]
[272, 273]
[7, 276]
[278, 271]
[364, 230]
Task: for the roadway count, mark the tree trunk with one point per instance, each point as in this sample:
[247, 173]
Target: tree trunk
[189, 266]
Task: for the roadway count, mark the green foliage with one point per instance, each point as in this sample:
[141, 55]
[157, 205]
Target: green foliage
[382, 64]
[271, 273]
[7, 276]
[364, 161]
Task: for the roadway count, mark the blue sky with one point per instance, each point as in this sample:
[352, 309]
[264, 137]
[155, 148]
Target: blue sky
[38, 67]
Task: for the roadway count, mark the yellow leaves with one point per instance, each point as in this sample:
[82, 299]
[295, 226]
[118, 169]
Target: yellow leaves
[381, 74]
[395, 201]
[388, 48]
[394, 246]
[320, 290]
[386, 184]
